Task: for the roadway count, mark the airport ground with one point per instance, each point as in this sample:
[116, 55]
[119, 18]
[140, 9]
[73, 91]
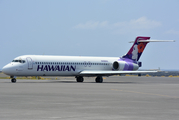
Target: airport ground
[118, 97]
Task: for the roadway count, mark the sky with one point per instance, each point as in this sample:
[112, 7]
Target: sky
[90, 28]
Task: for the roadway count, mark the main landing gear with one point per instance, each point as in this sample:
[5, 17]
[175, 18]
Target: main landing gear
[99, 79]
[13, 80]
[79, 79]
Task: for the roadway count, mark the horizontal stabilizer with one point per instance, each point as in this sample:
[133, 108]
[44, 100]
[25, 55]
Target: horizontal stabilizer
[153, 41]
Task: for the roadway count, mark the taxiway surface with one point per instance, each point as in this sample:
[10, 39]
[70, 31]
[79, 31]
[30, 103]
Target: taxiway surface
[125, 98]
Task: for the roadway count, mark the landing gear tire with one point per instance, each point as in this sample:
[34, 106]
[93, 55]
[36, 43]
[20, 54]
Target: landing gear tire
[99, 79]
[13, 80]
[79, 79]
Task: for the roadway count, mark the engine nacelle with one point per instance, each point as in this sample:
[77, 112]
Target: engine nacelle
[123, 65]
[115, 65]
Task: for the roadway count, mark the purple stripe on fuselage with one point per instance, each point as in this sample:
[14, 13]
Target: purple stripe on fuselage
[128, 66]
[129, 63]
[127, 60]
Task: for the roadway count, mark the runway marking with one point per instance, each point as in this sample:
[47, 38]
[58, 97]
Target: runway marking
[145, 93]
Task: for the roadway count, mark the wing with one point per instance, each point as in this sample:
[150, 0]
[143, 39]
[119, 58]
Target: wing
[106, 73]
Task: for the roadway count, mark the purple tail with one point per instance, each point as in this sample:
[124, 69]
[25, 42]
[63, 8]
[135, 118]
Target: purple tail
[137, 48]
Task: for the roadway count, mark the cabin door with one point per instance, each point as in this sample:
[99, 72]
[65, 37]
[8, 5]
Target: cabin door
[30, 63]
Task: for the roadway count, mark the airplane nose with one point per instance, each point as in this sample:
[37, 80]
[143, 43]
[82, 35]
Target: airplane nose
[6, 70]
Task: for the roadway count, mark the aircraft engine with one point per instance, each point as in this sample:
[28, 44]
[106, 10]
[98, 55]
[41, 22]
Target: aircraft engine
[116, 65]
[122, 65]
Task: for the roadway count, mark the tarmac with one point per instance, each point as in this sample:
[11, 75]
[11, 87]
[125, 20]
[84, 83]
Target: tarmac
[117, 98]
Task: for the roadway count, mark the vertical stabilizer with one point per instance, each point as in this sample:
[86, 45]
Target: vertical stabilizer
[137, 48]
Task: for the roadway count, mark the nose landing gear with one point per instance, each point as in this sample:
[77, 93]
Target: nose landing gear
[13, 80]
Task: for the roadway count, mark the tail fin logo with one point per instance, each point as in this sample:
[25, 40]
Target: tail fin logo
[135, 52]
[137, 49]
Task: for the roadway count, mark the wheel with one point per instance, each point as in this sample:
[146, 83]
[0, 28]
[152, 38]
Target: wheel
[79, 79]
[99, 79]
[13, 80]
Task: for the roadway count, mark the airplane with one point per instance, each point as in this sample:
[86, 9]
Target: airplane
[48, 65]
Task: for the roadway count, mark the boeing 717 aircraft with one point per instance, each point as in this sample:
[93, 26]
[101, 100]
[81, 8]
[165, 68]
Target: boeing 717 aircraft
[43, 65]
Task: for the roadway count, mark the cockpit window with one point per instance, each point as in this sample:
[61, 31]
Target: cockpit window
[21, 61]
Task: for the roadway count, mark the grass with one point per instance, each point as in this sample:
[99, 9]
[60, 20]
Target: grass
[28, 78]
[152, 76]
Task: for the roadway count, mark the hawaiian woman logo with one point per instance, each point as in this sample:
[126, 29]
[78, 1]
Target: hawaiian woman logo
[137, 51]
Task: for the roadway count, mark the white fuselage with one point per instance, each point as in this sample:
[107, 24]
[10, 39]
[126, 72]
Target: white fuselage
[41, 65]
